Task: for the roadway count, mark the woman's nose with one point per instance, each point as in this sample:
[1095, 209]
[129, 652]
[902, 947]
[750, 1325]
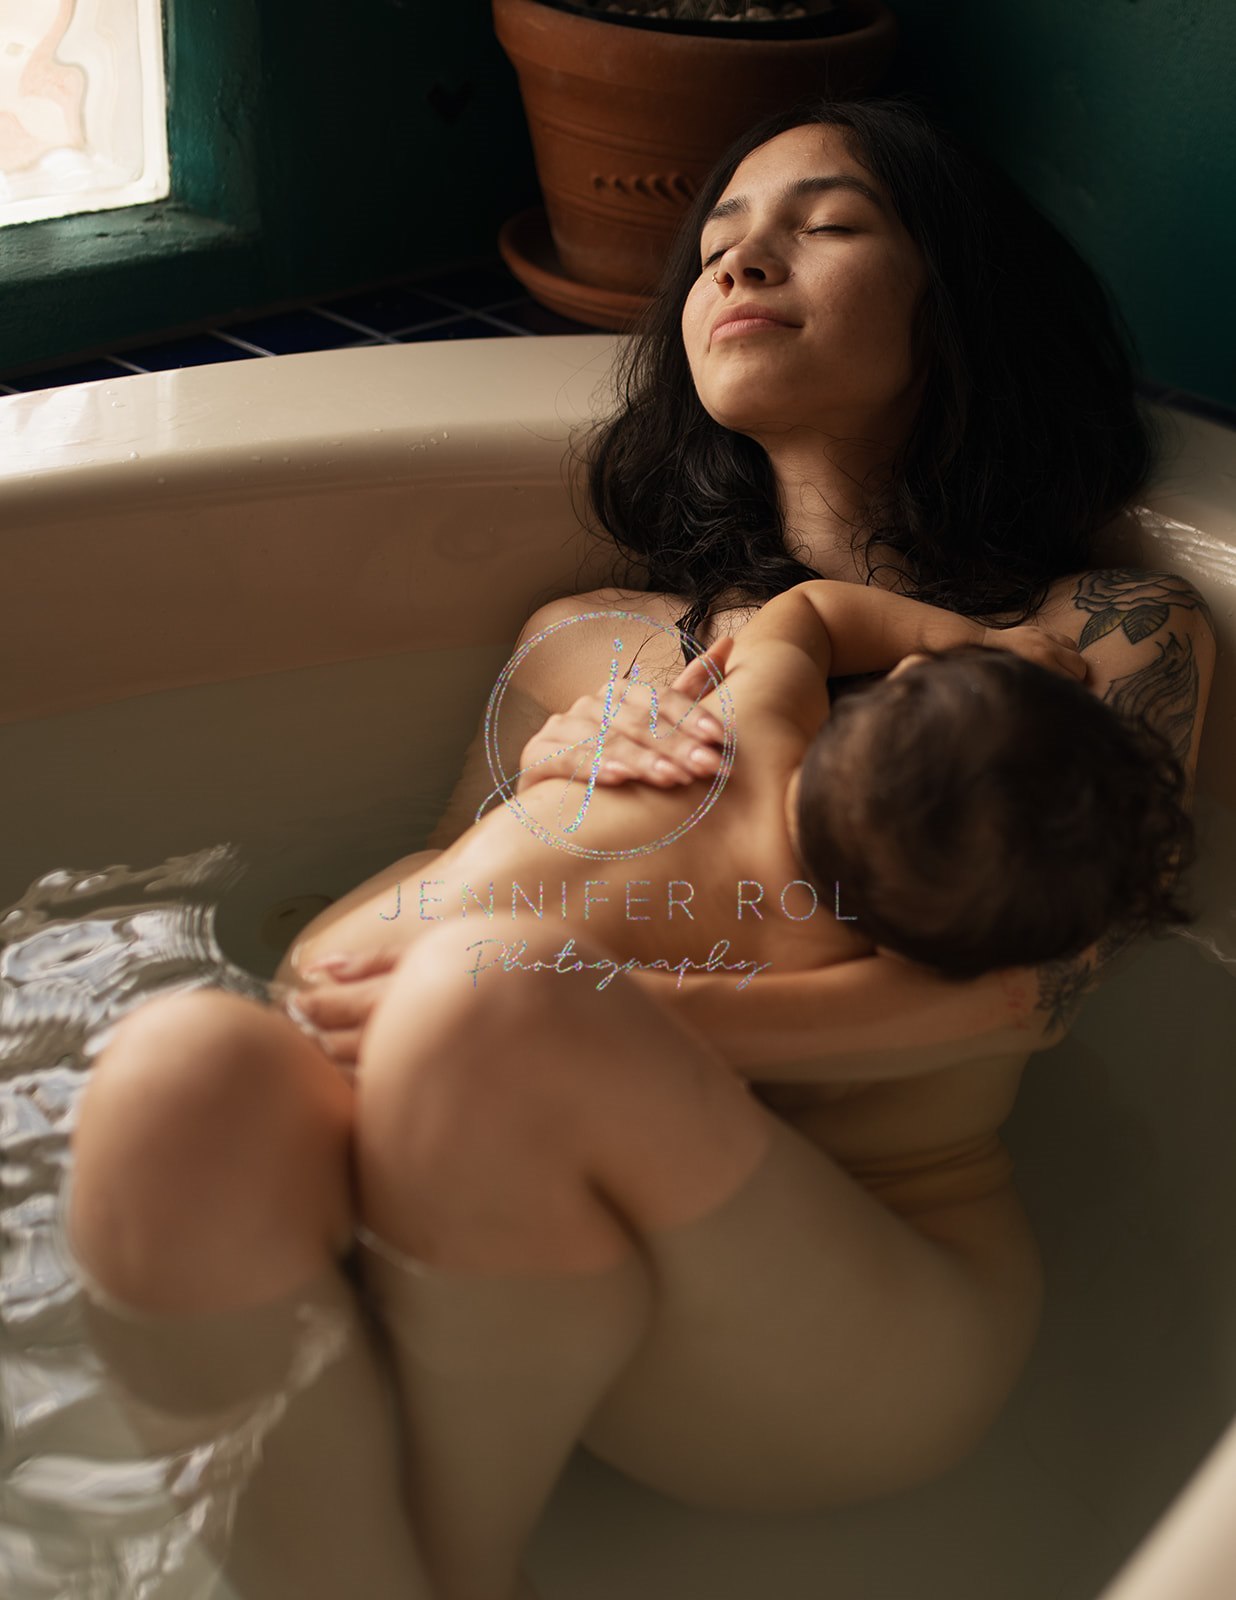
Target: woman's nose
[724, 272]
[743, 263]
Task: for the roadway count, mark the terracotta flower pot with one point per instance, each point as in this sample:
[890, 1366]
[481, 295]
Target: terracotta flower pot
[627, 120]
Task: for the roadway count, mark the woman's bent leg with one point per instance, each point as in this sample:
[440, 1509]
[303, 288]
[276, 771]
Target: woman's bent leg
[211, 1156]
[579, 1223]
[846, 1355]
[505, 1179]
[208, 1203]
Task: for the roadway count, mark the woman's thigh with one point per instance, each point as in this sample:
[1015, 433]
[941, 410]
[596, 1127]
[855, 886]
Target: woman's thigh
[211, 1155]
[210, 1191]
[804, 1344]
[536, 1122]
[808, 1347]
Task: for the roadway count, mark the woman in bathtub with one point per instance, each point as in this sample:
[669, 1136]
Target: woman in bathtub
[544, 1258]
[559, 1188]
[937, 383]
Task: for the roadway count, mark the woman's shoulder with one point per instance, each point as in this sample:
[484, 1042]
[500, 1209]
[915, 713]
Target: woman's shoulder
[559, 662]
[658, 608]
[1137, 601]
[1148, 639]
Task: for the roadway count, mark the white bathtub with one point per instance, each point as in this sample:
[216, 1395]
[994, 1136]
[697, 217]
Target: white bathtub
[264, 602]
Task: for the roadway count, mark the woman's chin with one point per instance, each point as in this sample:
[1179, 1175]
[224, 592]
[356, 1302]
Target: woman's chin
[744, 416]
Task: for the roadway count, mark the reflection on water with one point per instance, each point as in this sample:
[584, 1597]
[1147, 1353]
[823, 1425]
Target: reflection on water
[86, 1508]
[1122, 1143]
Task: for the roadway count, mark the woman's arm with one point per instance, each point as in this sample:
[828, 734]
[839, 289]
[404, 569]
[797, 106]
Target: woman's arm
[878, 1016]
[562, 674]
[1149, 644]
[522, 716]
[1148, 639]
[530, 698]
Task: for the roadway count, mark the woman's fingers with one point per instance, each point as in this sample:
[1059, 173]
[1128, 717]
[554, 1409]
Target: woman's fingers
[564, 748]
[339, 997]
[1045, 646]
[659, 714]
[695, 678]
[676, 745]
[658, 736]
[1067, 655]
[344, 968]
[663, 760]
[670, 762]
[1061, 655]
[332, 1006]
[342, 1045]
[1073, 662]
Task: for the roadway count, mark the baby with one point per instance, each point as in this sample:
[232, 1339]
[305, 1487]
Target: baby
[980, 811]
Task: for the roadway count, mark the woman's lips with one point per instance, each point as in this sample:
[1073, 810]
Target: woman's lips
[748, 325]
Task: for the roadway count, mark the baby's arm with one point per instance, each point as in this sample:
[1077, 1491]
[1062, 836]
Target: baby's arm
[783, 656]
[871, 630]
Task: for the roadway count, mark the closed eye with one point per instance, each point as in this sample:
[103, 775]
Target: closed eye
[827, 227]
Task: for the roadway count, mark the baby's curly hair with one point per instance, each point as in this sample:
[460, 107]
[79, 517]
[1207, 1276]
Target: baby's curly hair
[979, 811]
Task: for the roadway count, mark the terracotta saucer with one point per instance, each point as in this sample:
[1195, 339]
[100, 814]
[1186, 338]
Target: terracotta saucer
[527, 247]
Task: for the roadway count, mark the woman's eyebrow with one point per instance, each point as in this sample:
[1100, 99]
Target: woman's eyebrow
[800, 186]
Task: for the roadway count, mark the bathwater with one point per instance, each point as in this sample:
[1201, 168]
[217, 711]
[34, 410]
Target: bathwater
[180, 839]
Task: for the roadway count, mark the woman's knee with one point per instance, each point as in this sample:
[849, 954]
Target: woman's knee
[542, 1067]
[437, 1046]
[210, 1132]
[459, 1089]
[203, 1059]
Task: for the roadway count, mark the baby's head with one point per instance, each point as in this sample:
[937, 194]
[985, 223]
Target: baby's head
[979, 811]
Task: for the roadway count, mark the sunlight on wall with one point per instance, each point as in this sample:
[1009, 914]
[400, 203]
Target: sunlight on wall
[83, 107]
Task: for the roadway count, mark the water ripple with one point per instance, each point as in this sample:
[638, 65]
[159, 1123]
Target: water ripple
[77, 952]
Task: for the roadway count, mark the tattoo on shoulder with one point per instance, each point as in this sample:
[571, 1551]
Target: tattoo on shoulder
[1137, 602]
[1164, 692]
[1111, 944]
[1062, 985]
[1141, 604]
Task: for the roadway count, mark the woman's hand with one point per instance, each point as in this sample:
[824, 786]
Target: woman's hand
[1050, 649]
[678, 748]
[339, 1003]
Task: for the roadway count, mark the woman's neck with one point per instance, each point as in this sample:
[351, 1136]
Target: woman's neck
[824, 487]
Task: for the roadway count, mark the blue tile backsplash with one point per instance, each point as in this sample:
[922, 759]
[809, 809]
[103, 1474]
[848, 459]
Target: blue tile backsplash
[480, 301]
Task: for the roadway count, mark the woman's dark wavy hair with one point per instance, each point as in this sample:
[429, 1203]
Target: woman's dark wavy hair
[1028, 438]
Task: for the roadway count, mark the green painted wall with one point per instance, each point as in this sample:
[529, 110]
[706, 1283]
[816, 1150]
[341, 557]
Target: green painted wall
[316, 147]
[1118, 117]
[320, 146]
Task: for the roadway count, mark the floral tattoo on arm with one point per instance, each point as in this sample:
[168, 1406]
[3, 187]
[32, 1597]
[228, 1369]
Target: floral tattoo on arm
[1138, 602]
[1164, 692]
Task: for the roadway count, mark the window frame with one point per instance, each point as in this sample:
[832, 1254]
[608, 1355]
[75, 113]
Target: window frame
[99, 277]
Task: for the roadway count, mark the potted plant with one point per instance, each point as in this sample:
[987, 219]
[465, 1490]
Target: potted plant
[630, 102]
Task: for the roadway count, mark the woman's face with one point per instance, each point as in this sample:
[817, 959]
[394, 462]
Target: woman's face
[838, 266]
